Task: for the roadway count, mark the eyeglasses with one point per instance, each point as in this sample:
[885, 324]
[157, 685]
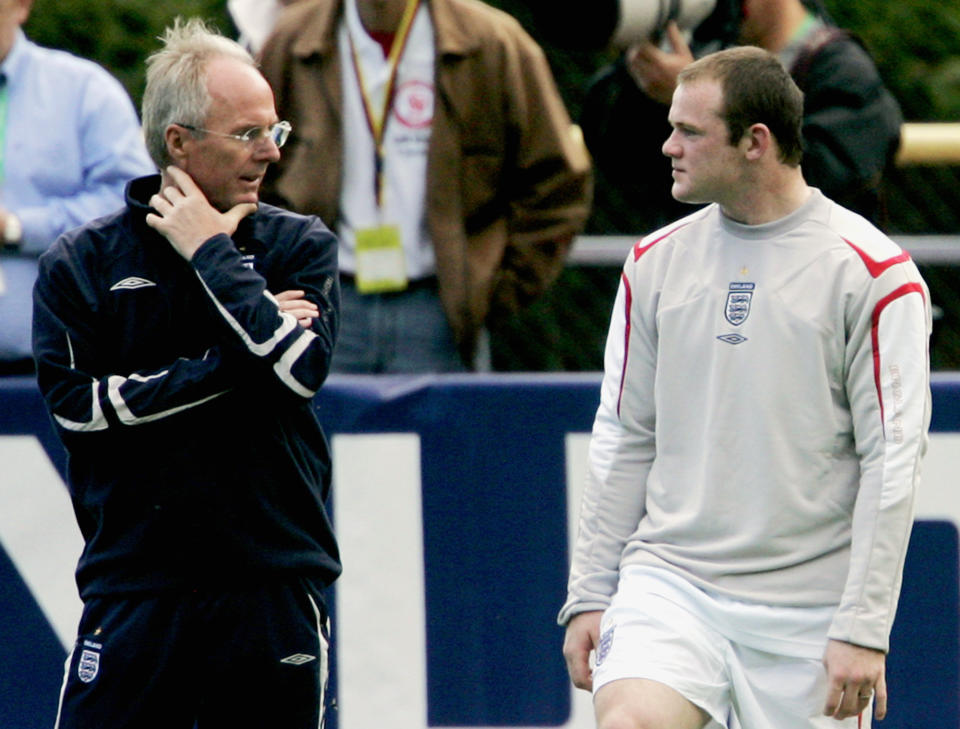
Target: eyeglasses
[278, 133]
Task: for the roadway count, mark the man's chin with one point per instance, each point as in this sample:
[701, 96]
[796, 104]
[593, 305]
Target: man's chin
[687, 196]
[240, 199]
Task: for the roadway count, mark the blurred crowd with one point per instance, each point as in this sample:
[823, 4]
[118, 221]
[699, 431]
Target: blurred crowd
[432, 139]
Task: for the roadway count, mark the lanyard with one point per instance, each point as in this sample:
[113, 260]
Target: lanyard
[377, 125]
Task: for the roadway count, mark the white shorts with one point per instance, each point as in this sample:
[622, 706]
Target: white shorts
[748, 666]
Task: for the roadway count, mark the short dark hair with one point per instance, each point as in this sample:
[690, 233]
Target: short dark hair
[756, 89]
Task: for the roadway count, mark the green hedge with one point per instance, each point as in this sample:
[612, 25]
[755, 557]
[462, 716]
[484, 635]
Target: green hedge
[118, 34]
[916, 42]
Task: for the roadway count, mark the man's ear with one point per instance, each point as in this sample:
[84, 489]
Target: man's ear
[756, 141]
[176, 138]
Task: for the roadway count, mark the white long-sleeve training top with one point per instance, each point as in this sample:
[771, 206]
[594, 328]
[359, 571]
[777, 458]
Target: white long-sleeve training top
[763, 414]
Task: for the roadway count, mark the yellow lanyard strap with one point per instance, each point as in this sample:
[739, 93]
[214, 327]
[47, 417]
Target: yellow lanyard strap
[376, 124]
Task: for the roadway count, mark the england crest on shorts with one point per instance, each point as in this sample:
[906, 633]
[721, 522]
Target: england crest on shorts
[739, 298]
[89, 665]
[603, 646]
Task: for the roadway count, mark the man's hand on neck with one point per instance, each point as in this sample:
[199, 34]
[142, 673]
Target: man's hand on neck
[185, 217]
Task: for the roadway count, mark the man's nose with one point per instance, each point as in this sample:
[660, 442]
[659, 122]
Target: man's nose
[670, 147]
[267, 150]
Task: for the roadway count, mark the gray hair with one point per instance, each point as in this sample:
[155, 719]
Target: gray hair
[176, 91]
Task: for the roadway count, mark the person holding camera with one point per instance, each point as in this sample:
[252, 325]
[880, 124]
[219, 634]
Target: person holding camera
[756, 452]
[851, 123]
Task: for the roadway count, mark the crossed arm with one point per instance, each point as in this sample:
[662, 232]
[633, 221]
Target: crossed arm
[286, 339]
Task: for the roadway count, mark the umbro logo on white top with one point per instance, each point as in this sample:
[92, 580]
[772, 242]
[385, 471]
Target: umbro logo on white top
[132, 282]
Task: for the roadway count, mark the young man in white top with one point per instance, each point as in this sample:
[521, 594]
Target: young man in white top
[756, 451]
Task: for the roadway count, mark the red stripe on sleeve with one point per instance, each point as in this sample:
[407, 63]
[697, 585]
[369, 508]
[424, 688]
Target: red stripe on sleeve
[639, 248]
[875, 334]
[627, 301]
[875, 267]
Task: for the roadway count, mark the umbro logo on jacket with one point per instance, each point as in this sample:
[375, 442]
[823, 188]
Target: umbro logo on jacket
[132, 282]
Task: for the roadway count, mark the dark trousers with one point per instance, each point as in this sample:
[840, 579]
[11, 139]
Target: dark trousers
[244, 659]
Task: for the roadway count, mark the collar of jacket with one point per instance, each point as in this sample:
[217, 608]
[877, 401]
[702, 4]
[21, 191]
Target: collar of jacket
[138, 193]
[318, 35]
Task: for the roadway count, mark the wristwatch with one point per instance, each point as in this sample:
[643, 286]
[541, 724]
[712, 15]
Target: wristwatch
[12, 233]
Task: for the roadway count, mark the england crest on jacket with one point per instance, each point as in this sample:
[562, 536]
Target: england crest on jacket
[739, 298]
[89, 664]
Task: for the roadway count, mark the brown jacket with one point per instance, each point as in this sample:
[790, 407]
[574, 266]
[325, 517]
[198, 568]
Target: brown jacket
[508, 178]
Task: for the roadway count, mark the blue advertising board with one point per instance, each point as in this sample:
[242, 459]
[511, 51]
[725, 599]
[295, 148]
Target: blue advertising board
[454, 500]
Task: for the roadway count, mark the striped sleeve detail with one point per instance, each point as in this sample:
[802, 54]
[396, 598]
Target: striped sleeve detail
[627, 303]
[128, 417]
[115, 385]
[288, 323]
[97, 419]
[641, 246]
[898, 293]
[875, 267]
[283, 366]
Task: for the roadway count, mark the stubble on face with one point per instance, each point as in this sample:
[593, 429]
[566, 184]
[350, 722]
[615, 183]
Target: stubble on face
[703, 160]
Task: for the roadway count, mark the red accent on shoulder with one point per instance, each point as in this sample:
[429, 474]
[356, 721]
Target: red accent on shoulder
[900, 292]
[639, 248]
[875, 267]
[628, 300]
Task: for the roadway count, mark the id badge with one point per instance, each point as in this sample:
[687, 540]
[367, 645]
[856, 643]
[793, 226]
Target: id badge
[381, 267]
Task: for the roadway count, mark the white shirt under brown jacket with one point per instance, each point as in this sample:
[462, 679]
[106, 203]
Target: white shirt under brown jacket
[508, 177]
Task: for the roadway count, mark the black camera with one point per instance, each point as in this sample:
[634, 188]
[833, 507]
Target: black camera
[600, 24]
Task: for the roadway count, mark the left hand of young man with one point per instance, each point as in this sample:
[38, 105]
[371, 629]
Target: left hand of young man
[854, 675]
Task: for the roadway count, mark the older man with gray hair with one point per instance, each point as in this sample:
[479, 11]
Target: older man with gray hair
[179, 344]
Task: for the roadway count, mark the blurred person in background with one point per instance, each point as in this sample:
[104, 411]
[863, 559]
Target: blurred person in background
[755, 457]
[430, 134]
[851, 123]
[254, 20]
[179, 344]
[69, 141]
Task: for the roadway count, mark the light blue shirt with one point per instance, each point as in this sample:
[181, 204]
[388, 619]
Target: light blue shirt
[71, 142]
